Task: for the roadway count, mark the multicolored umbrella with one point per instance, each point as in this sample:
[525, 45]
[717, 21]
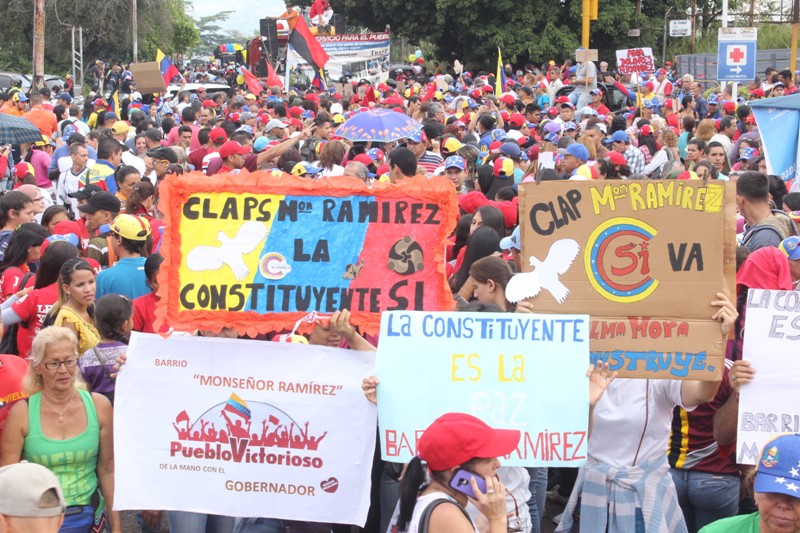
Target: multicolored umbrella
[17, 130]
[382, 125]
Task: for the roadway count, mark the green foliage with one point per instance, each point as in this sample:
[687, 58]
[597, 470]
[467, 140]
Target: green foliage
[537, 30]
[107, 31]
[770, 37]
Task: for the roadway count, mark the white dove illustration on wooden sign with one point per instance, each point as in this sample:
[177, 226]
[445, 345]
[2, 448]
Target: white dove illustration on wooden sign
[545, 274]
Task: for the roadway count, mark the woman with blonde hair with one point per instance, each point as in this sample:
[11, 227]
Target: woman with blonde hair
[66, 429]
[590, 145]
[668, 152]
[706, 130]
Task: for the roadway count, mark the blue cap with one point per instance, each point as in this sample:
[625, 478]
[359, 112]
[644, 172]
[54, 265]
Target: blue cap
[778, 469]
[570, 125]
[110, 115]
[577, 150]
[260, 144]
[304, 167]
[417, 136]
[617, 136]
[713, 100]
[499, 135]
[511, 149]
[791, 247]
[455, 161]
[64, 96]
[471, 103]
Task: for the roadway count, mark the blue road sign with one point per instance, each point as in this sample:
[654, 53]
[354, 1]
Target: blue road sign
[736, 60]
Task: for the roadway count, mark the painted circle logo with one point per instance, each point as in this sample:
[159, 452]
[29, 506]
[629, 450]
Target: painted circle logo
[274, 266]
[617, 260]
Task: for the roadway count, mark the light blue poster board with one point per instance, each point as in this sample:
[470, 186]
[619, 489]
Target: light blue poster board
[511, 370]
[778, 122]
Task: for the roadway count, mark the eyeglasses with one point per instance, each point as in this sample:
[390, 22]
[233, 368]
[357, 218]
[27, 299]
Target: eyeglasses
[54, 365]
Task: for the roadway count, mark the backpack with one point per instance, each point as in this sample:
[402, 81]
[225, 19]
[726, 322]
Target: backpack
[659, 172]
[309, 150]
[8, 344]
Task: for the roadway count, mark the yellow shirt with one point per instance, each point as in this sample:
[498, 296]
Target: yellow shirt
[88, 336]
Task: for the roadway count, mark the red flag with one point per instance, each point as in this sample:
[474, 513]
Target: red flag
[272, 78]
[430, 93]
[307, 45]
[252, 82]
[273, 419]
[183, 416]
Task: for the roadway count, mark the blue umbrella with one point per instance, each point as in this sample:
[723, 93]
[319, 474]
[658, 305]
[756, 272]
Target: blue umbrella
[18, 130]
[382, 125]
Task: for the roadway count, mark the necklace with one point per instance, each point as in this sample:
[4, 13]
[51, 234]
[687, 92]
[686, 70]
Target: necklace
[60, 414]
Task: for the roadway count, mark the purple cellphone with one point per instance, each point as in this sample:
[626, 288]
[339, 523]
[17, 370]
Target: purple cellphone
[461, 483]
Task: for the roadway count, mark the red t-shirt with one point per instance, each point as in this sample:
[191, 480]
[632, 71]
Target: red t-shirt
[10, 281]
[144, 315]
[196, 157]
[32, 308]
[12, 371]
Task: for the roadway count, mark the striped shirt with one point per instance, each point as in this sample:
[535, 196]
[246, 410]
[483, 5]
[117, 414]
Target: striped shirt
[430, 161]
[608, 498]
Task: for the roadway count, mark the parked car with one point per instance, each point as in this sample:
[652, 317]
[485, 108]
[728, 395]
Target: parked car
[397, 69]
[613, 98]
[7, 78]
[210, 88]
[50, 80]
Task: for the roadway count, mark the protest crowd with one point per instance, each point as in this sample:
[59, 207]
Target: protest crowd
[82, 222]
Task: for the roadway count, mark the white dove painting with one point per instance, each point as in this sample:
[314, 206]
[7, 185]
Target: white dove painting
[545, 274]
[231, 251]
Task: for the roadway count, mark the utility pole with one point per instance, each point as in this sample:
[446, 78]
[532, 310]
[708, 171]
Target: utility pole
[38, 45]
[135, 31]
[795, 27]
[664, 44]
[694, 25]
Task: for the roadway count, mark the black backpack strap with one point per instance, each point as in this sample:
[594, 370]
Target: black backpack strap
[425, 519]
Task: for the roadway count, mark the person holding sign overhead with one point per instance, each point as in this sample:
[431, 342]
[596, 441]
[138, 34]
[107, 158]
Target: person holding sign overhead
[775, 487]
[626, 485]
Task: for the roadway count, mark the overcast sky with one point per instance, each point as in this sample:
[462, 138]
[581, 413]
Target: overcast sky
[246, 15]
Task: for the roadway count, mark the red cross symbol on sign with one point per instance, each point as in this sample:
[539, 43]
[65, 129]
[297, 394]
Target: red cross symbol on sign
[736, 55]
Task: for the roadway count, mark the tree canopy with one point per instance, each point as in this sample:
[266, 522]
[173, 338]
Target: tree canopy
[525, 30]
[106, 27]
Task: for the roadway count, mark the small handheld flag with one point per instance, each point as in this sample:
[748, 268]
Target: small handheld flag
[168, 69]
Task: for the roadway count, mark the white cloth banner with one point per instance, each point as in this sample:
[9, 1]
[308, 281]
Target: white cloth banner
[244, 428]
[769, 405]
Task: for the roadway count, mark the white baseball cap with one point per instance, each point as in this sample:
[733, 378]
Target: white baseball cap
[30, 490]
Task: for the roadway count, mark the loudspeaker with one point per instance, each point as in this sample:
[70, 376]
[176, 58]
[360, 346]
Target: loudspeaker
[269, 30]
[338, 23]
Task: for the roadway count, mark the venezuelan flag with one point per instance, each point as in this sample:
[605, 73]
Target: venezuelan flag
[237, 406]
[500, 79]
[168, 69]
[116, 107]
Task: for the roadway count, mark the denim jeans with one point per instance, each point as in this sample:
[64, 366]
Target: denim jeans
[184, 522]
[578, 99]
[705, 497]
[258, 525]
[538, 488]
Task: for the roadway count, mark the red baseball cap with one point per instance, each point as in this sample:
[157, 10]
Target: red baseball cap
[516, 120]
[232, 147]
[617, 158]
[209, 103]
[508, 99]
[729, 107]
[758, 92]
[487, 89]
[455, 438]
[363, 158]
[217, 135]
[751, 119]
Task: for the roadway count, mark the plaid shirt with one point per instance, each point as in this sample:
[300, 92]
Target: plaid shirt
[608, 499]
[635, 160]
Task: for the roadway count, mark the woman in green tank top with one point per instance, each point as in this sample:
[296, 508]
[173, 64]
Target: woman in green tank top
[62, 426]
